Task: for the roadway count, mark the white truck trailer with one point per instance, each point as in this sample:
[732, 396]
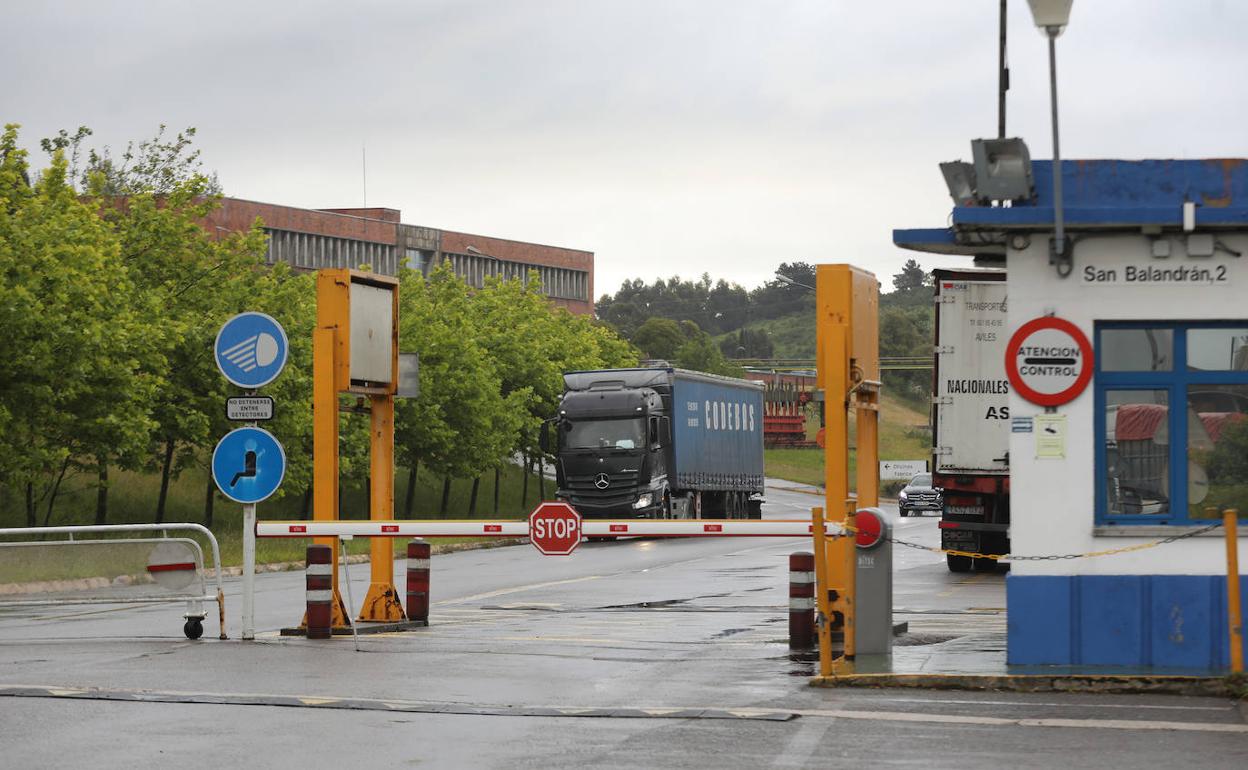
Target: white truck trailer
[971, 415]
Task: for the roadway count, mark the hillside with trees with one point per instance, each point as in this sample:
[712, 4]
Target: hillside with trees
[774, 320]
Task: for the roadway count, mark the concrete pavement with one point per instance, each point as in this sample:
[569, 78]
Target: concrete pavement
[626, 654]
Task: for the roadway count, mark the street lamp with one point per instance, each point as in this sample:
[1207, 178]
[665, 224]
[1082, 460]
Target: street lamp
[1051, 16]
[782, 278]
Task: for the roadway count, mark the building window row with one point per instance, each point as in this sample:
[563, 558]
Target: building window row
[557, 282]
[313, 252]
[1171, 421]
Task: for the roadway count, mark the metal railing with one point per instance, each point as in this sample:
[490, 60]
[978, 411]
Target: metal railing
[194, 614]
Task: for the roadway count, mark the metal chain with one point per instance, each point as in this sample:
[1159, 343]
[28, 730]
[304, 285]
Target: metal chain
[1059, 557]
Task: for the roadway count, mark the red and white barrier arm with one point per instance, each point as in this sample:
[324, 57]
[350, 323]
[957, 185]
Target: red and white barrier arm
[589, 528]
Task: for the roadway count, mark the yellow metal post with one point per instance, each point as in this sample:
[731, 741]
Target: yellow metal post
[847, 349]
[1234, 613]
[325, 453]
[833, 292]
[867, 405]
[331, 375]
[822, 606]
[381, 603]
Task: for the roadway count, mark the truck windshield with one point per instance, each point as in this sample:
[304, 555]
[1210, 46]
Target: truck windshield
[605, 434]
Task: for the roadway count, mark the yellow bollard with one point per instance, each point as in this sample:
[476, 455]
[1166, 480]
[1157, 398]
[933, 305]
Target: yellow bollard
[1234, 615]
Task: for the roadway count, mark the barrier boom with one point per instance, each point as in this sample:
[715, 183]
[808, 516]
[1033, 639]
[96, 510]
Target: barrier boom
[589, 527]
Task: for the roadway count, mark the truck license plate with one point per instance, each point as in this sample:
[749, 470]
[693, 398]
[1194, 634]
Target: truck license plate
[965, 510]
[954, 537]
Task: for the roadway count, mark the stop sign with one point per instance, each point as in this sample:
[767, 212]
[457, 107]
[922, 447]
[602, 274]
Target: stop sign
[555, 528]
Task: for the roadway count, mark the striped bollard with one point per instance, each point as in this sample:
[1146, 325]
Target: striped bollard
[802, 601]
[320, 581]
[418, 580]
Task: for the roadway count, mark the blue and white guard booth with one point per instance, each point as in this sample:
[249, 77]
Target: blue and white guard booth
[1129, 369]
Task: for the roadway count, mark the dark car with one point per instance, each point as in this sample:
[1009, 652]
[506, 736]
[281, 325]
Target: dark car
[918, 496]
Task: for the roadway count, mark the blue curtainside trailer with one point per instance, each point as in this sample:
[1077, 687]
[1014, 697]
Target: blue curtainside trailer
[660, 443]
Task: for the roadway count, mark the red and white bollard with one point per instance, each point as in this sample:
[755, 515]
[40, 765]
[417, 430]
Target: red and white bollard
[802, 601]
[320, 584]
[418, 580]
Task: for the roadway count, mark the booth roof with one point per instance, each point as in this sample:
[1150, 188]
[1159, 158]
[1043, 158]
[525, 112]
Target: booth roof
[1101, 195]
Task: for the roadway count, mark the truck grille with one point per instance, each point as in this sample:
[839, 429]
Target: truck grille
[619, 484]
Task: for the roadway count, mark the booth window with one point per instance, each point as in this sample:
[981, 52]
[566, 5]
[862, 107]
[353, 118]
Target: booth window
[1171, 421]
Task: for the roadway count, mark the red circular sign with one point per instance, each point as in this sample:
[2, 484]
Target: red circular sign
[555, 529]
[1048, 361]
[870, 528]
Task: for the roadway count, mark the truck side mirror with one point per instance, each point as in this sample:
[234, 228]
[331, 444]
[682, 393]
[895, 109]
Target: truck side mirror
[654, 433]
[544, 438]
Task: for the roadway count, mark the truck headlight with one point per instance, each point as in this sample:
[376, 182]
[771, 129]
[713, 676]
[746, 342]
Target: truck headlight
[644, 500]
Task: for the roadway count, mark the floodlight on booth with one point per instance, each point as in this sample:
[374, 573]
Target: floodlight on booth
[960, 179]
[1002, 169]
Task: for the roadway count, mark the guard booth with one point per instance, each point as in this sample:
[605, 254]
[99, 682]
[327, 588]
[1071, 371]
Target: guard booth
[1128, 365]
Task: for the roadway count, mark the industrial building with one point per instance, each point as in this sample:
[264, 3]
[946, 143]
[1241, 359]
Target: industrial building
[311, 239]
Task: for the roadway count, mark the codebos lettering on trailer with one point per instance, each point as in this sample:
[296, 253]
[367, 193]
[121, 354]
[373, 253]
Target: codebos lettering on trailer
[728, 416]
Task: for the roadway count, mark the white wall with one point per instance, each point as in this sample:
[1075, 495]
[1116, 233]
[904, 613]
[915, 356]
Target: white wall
[1052, 501]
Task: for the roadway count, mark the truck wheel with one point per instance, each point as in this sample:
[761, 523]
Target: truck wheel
[754, 508]
[958, 563]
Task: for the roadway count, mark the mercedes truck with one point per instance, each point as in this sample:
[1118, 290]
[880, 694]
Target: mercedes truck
[659, 443]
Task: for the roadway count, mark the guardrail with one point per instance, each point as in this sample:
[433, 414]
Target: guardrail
[194, 615]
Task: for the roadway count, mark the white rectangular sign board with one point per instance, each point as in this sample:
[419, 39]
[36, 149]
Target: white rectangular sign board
[901, 470]
[249, 408]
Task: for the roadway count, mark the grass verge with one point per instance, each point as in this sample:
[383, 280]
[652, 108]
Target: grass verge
[132, 497]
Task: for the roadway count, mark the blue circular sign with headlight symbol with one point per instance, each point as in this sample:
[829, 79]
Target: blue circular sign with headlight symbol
[251, 349]
[248, 465]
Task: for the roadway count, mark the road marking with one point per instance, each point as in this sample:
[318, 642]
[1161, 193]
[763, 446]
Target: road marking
[1091, 724]
[629, 712]
[800, 750]
[516, 589]
[374, 704]
[1060, 705]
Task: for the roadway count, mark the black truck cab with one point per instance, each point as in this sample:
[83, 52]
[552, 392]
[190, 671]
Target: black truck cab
[612, 452]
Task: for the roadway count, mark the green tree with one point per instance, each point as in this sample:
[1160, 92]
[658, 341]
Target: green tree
[659, 338]
[462, 424]
[79, 345]
[911, 277]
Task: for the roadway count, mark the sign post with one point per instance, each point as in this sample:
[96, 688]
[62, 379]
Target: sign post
[248, 464]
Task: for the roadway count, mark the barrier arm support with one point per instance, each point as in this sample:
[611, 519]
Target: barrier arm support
[325, 452]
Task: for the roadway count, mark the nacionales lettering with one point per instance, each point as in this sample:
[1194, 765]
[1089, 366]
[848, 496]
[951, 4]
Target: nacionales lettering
[988, 387]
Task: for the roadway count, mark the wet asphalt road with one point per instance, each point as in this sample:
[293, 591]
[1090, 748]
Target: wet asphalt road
[656, 653]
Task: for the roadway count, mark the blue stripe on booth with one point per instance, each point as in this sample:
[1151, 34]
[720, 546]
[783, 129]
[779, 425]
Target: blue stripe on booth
[1163, 621]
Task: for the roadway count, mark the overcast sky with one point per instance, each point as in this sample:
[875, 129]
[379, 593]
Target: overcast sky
[668, 137]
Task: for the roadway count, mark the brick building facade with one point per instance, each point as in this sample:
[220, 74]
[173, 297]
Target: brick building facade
[310, 239]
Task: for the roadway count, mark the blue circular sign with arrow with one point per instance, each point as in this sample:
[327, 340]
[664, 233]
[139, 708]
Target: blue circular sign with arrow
[251, 349]
[248, 465]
